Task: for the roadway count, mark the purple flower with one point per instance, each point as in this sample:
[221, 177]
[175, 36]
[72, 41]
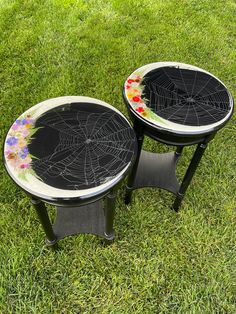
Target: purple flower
[29, 121]
[23, 153]
[25, 150]
[24, 121]
[18, 121]
[11, 141]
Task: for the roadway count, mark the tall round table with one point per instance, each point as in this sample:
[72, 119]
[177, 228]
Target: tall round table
[175, 104]
[71, 152]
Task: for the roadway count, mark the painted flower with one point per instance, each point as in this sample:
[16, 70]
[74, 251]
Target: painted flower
[11, 156]
[17, 152]
[15, 126]
[144, 114]
[136, 99]
[25, 166]
[138, 79]
[22, 142]
[23, 153]
[134, 92]
[130, 81]
[11, 141]
[139, 109]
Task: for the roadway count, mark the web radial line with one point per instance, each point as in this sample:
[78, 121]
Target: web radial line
[91, 166]
[212, 107]
[100, 117]
[172, 105]
[194, 82]
[169, 91]
[81, 126]
[220, 91]
[186, 114]
[58, 162]
[208, 81]
[173, 113]
[183, 82]
[113, 134]
[118, 148]
[85, 170]
[207, 112]
[54, 128]
[112, 155]
[112, 116]
[49, 157]
[64, 122]
[196, 115]
[111, 141]
[171, 80]
[159, 95]
[65, 147]
[214, 102]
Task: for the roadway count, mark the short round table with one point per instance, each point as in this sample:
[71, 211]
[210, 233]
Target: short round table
[71, 152]
[176, 104]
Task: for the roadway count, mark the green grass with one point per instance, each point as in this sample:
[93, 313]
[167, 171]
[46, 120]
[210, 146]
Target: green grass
[160, 262]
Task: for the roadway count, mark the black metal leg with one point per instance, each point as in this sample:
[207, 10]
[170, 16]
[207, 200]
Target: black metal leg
[189, 175]
[140, 135]
[45, 221]
[109, 211]
[179, 150]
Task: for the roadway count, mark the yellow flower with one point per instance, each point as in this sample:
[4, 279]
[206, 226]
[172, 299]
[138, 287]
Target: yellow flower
[22, 142]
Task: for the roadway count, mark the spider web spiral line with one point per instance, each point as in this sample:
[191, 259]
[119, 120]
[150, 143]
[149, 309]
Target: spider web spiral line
[91, 148]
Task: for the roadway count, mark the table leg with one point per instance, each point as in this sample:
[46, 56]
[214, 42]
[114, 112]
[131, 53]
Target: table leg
[45, 221]
[109, 212]
[189, 174]
[129, 187]
[179, 150]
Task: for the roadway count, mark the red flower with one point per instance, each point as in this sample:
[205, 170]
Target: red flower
[127, 86]
[130, 81]
[136, 99]
[140, 109]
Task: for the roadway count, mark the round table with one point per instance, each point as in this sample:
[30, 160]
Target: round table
[175, 104]
[71, 152]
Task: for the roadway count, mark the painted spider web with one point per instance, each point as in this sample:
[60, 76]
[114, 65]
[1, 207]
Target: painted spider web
[186, 96]
[81, 146]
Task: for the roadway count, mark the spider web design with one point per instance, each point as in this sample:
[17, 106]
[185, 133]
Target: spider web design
[185, 96]
[81, 146]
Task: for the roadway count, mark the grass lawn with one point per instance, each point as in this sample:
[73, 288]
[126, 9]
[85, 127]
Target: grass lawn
[160, 262]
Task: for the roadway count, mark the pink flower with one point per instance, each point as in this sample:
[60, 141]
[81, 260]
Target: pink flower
[15, 126]
[24, 166]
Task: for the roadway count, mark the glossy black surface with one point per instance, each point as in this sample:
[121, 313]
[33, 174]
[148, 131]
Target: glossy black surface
[81, 145]
[186, 96]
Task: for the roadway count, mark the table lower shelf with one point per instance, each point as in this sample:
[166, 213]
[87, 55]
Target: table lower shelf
[157, 170]
[83, 219]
